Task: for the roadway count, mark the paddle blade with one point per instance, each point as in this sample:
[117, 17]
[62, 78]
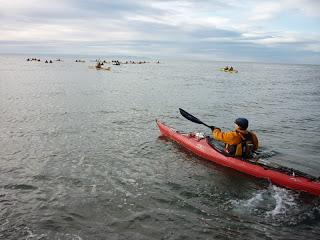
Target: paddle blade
[190, 117]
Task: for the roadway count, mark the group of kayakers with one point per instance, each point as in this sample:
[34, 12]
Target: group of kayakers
[33, 59]
[134, 62]
[117, 62]
[38, 60]
[99, 63]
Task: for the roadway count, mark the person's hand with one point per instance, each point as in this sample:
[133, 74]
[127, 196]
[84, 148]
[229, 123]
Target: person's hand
[212, 127]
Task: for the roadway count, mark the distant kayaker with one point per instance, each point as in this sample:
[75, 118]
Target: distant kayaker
[240, 142]
[231, 68]
[226, 68]
[98, 66]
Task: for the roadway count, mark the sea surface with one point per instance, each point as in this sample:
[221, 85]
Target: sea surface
[81, 156]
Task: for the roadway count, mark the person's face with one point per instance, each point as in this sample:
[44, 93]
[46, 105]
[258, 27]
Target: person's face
[236, 127]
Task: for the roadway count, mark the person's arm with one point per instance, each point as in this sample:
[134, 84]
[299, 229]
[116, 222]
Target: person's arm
[226, 137]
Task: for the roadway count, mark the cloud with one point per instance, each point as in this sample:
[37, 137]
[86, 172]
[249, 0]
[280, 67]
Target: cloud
[312, 47]
[204, 28]
[274, 39]
[266, 10]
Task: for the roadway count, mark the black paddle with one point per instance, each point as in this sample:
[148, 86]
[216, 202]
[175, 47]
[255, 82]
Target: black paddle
[193, 118]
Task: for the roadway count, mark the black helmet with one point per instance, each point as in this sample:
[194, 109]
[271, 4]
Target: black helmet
[243, 123]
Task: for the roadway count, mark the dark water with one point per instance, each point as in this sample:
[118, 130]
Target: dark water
[81, 157]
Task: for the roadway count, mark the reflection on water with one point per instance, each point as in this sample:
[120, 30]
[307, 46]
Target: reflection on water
[81, 156]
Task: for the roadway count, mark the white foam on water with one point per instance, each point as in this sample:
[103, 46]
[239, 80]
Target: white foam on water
[273, 201]
[250, 203]
[254, 201]
[93, 189]
[284, 200]
[32, 235]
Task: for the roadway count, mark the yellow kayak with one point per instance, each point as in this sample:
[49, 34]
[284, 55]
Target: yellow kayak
[101, 68]
[229, 71]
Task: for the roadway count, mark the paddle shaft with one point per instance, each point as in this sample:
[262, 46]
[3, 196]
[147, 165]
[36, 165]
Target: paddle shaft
[192, 118]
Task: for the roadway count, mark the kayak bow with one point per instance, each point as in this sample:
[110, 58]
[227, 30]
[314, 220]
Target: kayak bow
[202, 148]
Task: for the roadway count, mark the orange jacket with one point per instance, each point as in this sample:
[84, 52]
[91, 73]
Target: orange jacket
[234, 138]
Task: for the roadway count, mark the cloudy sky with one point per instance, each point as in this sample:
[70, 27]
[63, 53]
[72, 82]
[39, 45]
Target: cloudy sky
[246, 30]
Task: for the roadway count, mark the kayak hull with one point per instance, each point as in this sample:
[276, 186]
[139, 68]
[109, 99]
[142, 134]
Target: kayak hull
[202, 148]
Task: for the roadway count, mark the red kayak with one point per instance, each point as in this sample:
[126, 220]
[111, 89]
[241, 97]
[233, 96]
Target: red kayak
[202, 148]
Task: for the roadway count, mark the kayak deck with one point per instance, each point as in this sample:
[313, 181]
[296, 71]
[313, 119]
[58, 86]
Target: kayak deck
[202, 148]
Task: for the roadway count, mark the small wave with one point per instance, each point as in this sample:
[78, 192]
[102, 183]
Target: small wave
[278, 206]
[265, 154]
[20, 187]
[269, 202]
[254, 201]
[284, 200]
[104, 112]
[32, 235]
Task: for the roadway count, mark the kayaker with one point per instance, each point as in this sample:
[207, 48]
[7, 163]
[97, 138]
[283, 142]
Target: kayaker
[226, 68]
[240, 142]
[98, 66]
[231, 68]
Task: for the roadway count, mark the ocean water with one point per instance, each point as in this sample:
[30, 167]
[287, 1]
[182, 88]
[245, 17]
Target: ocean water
[81, 156]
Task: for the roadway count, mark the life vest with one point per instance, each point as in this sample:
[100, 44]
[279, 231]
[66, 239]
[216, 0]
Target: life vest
[244, 149]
